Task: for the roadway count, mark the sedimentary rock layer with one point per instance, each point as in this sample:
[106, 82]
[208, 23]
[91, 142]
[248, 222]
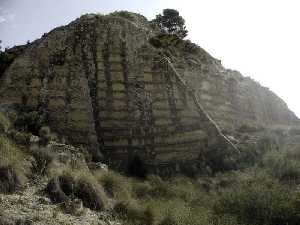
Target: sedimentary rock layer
[101, 84]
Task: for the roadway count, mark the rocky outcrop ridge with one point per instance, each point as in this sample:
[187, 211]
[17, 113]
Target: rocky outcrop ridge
[100, 83]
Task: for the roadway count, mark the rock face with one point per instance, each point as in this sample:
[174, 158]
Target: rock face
[229, 98]
[103, 85]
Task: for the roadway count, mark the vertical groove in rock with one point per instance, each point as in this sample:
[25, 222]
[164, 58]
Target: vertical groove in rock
[69, 78]
[96, 109]
[94, 90]
[125, 72]
[67, 95]
[93, 87]
[170, 93]
[43, 94]
[107, 70]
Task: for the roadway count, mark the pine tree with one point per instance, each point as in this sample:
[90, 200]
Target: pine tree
[171, 22]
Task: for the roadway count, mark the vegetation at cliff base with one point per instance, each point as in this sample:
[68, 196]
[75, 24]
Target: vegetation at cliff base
[262, 192]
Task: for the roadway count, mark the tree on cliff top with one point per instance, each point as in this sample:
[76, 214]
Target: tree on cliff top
[171, 22]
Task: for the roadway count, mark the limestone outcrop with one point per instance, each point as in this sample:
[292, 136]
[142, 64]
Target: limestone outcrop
[231, 99]
[101, 83]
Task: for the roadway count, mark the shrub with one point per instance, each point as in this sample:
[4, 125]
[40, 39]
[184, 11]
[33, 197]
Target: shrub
[4, 123]
[9, 180]
[29, 121]
[135, 213]
[59, 188]
[190, 47]
[156, 42]
[45, 135]
[141, 189]
[115, 185]
[176, 188]
[295, 131]
[69, 186]
[249, 128]
[43, 158]
[8, 220]
[169, 220]
[124, 14]
[281, 166]
[91, 193]
[13, 164]
[184, 188]
[178, 212]
[21, 138]
[260, 203]
[159, 187]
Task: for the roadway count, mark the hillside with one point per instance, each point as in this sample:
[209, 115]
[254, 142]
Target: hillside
[109, 121]
[103, 83]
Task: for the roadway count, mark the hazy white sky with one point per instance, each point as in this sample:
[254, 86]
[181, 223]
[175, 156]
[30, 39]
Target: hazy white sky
[260, 38]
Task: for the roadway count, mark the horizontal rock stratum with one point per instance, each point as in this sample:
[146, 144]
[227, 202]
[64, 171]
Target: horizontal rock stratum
[103, 85]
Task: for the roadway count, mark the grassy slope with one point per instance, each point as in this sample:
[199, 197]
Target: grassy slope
[264, 193]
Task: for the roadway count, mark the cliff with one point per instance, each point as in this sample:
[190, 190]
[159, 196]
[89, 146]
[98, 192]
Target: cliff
[103, 83]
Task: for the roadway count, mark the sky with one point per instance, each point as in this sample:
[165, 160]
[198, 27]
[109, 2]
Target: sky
[259, 38]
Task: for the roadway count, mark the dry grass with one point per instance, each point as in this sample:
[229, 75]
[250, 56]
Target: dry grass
[72, 184]
[116, 185]
[12, 158]
[4, 123]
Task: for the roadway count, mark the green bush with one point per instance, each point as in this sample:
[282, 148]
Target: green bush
[124, 14]
[29, 121]
[281, 166]
[21, 138]
[70, 185]
[4, 123]
[9, 180]
[259, 203]
[141, 189]
[134, 213]
[13, 164]
[43, 158]
[115, 185]
[45, 135]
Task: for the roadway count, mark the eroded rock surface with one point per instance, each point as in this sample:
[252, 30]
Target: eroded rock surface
[102, 84]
